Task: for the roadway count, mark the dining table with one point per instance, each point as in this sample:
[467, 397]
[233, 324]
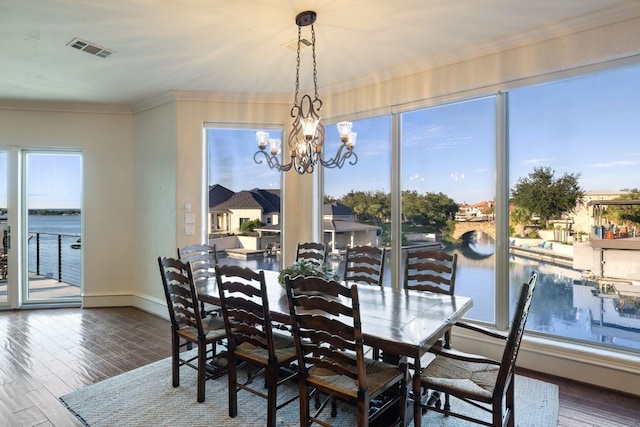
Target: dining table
[401, 323]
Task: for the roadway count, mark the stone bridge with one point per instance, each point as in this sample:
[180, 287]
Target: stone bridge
[462, 228]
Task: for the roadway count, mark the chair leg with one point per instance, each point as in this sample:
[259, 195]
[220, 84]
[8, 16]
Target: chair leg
[447, 345]
[447, 340]
[202, 370]
[447, 406]
[272, 393]
[510, 404]
[175, 359]
[233, 386]
[363, 411]
[375, 354]
[304, 398]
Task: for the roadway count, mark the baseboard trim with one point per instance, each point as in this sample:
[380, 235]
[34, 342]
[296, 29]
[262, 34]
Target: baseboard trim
[146, 303]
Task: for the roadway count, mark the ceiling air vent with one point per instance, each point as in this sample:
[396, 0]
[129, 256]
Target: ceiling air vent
[89, 47]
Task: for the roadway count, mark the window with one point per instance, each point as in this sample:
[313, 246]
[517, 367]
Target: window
[357, 199]
[448, 186]
[585, 129]
[242, 192]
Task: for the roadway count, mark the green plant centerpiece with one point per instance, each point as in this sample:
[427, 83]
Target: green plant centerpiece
[307, 269]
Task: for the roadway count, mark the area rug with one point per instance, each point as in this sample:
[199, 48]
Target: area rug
[145, 397]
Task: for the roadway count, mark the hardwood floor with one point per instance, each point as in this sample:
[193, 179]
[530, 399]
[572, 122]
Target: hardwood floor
[46, 354]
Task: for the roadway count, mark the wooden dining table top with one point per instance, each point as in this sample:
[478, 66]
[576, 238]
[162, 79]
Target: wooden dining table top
[397, 321]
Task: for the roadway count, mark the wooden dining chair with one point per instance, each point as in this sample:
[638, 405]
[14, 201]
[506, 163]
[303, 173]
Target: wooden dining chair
[326, 324]
[188, 327]
[479, 380]
[431, 271]
[364, 264]
[245, 309]
[203, 259]
[312, 252]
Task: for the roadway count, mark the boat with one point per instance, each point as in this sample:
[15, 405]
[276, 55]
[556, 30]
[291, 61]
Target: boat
[77, 244]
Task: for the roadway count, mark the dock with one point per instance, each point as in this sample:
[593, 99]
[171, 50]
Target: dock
[241, 253]
[540, 254]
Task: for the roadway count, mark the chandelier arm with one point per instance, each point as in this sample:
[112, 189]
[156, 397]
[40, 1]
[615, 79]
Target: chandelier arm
[304, 165]
[339, 159]
[292, 140]
[272, 161]
[354, 155]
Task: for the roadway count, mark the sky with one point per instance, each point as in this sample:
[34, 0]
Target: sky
[54, 180]
[588, 125]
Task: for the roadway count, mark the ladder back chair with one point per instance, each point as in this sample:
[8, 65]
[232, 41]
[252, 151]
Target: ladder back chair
[432, 271]
[188, 327]
[326, 324]
[483, 382]
[203, 259]
[245, 309]
[364, 264]
[313, 252]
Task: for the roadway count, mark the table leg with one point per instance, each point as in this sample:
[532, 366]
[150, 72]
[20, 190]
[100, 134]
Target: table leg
[410, 408]
[417, 393]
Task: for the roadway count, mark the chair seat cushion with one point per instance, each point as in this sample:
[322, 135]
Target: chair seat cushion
[213, 327]
[379, 375]
[284, 347]
[461, 377]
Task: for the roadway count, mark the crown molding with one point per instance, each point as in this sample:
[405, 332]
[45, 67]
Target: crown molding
[64, 107]
[203, 96]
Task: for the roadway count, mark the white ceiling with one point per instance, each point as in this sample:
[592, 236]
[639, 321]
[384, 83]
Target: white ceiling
[239, 46]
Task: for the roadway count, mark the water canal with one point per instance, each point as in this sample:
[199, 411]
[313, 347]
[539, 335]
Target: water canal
[562, 306]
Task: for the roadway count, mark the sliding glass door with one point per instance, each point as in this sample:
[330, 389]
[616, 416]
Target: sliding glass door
[4, 229]
[53, 242]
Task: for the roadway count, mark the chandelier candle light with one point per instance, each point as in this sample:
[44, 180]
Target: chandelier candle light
[306, 138]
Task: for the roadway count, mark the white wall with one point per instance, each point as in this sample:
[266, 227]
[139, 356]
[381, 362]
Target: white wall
[156, 211]
[105, 136]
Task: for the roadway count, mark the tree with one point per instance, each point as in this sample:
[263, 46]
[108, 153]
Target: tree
[358, 202]
[369, 205]
[620, 214]
[250, 226]
[380, 206]
[543, 195]
[520, 217]
[327, 199]
[428, 209]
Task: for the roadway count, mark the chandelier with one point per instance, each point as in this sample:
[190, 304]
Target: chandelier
[306, 138]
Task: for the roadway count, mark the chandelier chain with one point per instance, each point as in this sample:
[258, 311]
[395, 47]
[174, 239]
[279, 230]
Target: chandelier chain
[315, 69]
[295, 97]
